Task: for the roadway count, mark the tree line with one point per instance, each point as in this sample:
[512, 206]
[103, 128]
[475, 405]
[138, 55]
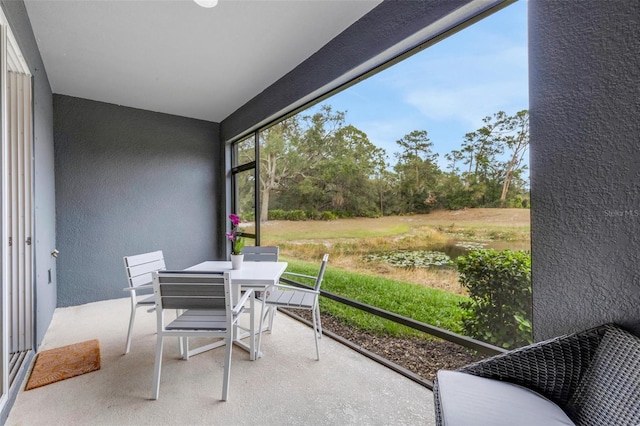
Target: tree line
[320, 163]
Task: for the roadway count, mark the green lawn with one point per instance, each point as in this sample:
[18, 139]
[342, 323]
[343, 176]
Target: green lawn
[431, 306]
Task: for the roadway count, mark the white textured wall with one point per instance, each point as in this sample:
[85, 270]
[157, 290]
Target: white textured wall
[585, 163]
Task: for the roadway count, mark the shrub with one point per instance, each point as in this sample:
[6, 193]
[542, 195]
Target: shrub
[499, 286]
[277, 215]
[312, 215]
[296, 215]
[328, 215]
[248, 216]
[343, 214]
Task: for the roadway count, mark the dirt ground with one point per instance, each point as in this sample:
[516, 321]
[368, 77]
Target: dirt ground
[498, 217]
[420, 356]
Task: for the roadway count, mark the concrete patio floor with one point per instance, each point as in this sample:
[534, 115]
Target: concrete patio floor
[287, 386]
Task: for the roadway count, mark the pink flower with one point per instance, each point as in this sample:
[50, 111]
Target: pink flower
[237, 242]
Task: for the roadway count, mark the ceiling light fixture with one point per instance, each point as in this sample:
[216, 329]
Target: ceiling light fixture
[206, 3]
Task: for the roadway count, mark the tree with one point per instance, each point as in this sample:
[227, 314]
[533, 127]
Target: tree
[454, 157]
[417, 172]
[333, 168]
[488, 176]
[416, 149]
[384, 183]
[483, 147]
[516, 141]
[319, 162]
[349, 170]
[275, 159]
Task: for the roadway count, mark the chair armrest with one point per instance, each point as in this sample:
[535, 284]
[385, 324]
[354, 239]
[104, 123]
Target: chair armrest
[290, 287]
[552, 368]
[299, 275]
[237, 310]
[140, 287]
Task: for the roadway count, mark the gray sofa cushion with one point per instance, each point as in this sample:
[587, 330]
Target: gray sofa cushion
[609, 392]
[471, 400]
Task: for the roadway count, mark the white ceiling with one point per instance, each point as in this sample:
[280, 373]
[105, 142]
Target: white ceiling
[175, 57]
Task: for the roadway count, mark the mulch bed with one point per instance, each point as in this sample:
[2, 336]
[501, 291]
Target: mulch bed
[421, 356]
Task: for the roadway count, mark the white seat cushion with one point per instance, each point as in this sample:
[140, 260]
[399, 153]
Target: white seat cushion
[471, 400]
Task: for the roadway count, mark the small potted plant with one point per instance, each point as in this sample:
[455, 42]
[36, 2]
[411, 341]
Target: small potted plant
[237, 242]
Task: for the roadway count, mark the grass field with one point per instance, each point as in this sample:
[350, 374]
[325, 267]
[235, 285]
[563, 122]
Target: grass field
[349, 240]
[427, 305]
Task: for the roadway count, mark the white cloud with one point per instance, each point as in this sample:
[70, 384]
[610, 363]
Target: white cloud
[465, 87]
[467, 104]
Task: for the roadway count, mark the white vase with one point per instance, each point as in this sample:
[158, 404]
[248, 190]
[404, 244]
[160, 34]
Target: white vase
[236, 261]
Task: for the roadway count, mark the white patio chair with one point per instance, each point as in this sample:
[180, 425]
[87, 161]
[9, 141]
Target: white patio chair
[139, 269]
[291, 297]
[262, 254]
[206, 302]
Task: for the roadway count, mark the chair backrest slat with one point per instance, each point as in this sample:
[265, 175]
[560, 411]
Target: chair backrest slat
[139, 267]
[184, 290]
[140, 259]
[146, 268]
[180, 302]
[323, 266]
[261, 253]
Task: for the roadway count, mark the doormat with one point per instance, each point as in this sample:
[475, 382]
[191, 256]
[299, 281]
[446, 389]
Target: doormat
[58, 364]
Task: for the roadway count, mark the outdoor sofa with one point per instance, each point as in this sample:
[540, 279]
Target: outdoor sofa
[587, 378]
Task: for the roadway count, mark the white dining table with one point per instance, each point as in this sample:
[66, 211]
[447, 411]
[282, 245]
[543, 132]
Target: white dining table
[256, 276]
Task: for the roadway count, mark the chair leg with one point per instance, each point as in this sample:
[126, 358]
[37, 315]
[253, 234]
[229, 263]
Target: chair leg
[157, 367]
[261, 327]
[227, 369]
[315, 334]
[263, 316]
[269, 310]
[183, 341]
[267, 320]
[131, 320]
[272, 314]
[252, 328]
[317, 312]
[184, 347]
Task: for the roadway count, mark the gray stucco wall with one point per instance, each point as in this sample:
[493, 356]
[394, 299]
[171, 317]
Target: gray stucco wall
[130, 181]
[44, 182]
[585, 164]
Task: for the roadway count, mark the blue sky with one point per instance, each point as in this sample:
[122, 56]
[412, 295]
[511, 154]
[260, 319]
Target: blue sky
[446, 89]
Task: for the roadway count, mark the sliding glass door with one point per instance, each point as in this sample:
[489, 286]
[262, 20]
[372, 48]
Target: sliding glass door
[17, 304]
